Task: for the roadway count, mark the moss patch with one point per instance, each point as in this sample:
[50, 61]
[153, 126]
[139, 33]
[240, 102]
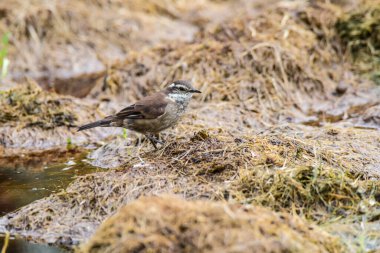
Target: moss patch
[359, 31]
[28, 105]
[33, 120]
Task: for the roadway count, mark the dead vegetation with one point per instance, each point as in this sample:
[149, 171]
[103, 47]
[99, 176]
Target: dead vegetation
[258, 75]
[255, 63]
[30, 106]
[167, 224]
[67, 46]
[280, 171]
[256, 58]
[32, 120]
[359, 31]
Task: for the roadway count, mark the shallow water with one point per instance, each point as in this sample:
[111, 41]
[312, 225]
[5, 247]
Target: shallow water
[22, 185]
[22, 246]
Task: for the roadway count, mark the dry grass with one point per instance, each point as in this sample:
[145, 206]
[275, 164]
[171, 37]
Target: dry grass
[32, 120]
[167, 224]
[280, 171]
[254, 72]
[256, 66]
[253, 62]
[72, 43]
[30, 106]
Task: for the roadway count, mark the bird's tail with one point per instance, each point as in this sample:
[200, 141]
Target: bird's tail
[101, 123]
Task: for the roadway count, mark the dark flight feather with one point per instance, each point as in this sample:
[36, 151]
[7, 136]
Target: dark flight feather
[149, 107]
[104, 122]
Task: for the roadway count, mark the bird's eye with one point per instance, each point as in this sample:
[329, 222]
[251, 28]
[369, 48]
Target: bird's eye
[181, 88]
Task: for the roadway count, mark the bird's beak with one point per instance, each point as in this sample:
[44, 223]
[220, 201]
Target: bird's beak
[195, 91]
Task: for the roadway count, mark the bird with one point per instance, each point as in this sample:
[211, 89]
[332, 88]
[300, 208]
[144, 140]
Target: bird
[152, 114]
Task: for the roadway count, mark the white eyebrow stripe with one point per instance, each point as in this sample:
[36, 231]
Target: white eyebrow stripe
[182, 86]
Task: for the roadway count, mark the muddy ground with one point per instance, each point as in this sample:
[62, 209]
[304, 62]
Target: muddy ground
[280, 152]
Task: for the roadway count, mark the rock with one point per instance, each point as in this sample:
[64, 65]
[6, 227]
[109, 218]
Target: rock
[341, 88]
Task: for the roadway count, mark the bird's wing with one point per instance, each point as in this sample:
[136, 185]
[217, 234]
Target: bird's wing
[149, 107]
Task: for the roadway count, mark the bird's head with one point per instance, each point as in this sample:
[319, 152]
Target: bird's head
[181, 87]
[180, 90]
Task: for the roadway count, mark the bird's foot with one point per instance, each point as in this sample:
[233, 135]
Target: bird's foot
[138, 141]
[154, 140]
[160, 141]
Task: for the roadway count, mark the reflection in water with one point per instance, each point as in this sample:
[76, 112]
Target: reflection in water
[21, 246]
[21, 186]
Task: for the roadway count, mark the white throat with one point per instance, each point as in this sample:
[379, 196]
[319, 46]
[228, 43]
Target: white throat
[178, 97]
[181, 98]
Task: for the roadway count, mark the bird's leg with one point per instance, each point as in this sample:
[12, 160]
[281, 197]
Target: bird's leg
[138, 151]
[157, 137]
[138, 141]
[153, 140]
[162, 141]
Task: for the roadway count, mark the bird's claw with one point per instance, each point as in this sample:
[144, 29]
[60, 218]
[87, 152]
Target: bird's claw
[154, 141]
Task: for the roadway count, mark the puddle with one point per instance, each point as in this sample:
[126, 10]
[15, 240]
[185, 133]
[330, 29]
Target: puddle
[22, 185]
[21, 246]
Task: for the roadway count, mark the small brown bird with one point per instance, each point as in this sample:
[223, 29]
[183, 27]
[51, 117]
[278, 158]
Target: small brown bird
[152, 114]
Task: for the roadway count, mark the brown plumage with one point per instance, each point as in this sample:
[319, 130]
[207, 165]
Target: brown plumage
[149, 107]
[151, 114]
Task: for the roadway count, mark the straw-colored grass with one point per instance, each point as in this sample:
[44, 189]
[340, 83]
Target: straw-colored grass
[167, 224]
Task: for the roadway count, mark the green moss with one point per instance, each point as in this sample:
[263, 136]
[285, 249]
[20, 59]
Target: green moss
[317, 192]
[359, 32]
